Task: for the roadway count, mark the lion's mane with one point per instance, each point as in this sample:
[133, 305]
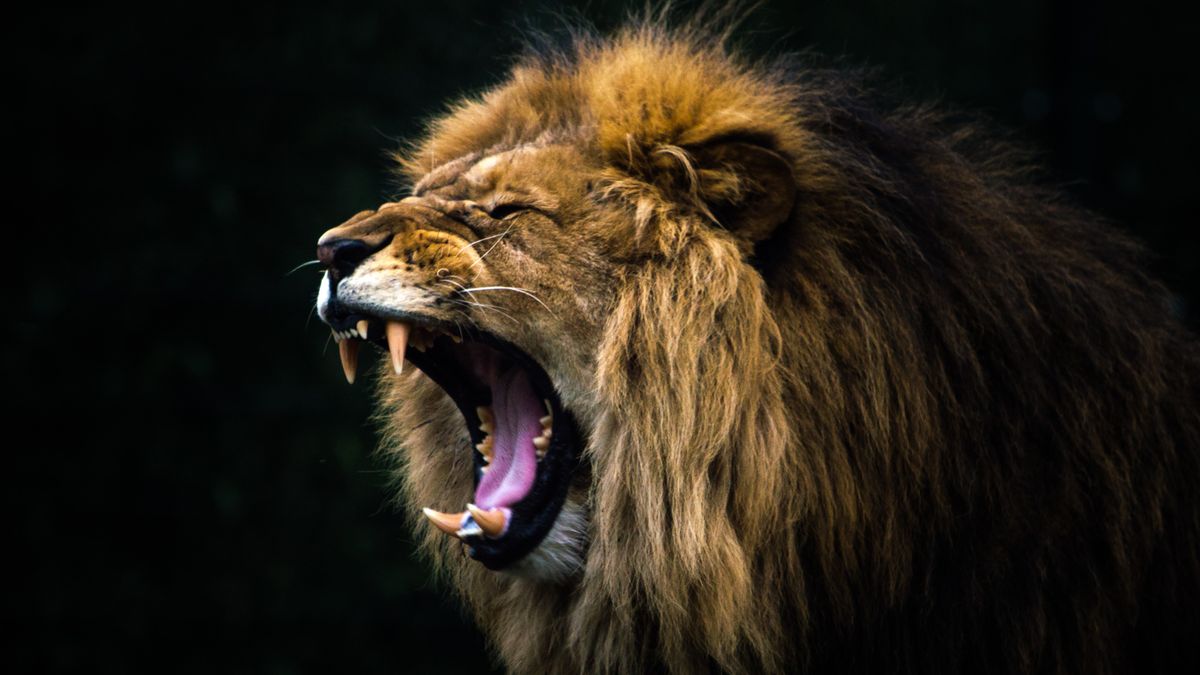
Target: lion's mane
[938, 421]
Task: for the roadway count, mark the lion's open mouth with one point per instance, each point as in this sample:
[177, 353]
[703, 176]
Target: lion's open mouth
[525, 441]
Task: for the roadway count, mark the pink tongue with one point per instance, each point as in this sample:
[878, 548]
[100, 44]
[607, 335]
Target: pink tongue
[514, 462]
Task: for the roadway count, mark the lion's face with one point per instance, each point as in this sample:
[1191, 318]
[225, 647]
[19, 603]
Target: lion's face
[493, 280]
[564, 273]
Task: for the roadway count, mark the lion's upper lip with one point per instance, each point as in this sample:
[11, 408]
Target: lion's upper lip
[525, 440]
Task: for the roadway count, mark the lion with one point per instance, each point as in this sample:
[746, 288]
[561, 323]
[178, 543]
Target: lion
[696, 363]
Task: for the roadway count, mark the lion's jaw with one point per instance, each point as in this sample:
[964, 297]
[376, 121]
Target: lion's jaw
[433, 280]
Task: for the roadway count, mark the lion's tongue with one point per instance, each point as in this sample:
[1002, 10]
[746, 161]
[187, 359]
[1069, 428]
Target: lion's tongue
[513, 467]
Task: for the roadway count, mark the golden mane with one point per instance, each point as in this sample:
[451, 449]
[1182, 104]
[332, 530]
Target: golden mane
[937, 420]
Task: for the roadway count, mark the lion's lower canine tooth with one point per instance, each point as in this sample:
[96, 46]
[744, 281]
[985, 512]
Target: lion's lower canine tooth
[363, 325]
[397, 338]
[471, 529]
[492, 522]
[348, 350]
[446, 522]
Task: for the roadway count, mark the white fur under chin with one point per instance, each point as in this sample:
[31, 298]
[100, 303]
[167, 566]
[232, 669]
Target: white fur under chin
[560, 555]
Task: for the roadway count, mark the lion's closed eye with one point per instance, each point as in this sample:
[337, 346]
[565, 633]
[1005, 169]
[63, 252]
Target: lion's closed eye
[503, 211]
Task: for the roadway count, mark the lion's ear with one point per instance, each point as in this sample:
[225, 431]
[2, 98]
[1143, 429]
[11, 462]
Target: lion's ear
[749, 188]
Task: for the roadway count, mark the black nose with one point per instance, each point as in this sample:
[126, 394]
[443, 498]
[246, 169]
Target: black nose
[341, 256]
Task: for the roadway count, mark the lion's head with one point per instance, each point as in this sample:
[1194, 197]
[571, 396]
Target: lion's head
[702, 353]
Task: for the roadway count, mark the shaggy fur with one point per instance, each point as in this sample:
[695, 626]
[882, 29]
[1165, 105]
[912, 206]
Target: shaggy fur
[858, 396]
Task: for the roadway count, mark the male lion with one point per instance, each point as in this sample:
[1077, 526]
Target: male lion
[722, 366]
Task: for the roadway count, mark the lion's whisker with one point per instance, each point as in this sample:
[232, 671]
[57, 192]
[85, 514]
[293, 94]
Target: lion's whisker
[477, 241]
[458, 287]
[510, 288]
[499, 238]
[484, 306]
[303, 265]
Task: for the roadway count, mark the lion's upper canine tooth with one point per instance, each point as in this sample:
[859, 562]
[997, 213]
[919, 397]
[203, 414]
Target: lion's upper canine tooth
[397, 338]
[446, 522]
[363, 325]
[348, 350]
[492, 522]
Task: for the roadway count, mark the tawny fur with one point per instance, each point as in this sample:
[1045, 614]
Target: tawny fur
[937, 420]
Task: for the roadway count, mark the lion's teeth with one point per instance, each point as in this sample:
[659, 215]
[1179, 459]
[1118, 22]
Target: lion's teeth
[486, 427]
[547, 421]
[541, 442]
[348, 350]
[363, 325]
[442, 331]
[397, 338]
[421, 339]
[471, 529]
[492, 522]
[446, 522]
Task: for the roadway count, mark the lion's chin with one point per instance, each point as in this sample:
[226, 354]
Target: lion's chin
[559, 556]
[526, 447]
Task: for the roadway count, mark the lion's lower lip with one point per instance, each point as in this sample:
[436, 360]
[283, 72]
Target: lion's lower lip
[524, 439]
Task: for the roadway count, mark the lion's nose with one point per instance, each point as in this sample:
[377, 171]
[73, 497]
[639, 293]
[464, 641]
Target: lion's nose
[341, 256]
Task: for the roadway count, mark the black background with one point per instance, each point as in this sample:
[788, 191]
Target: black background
[191, 481]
